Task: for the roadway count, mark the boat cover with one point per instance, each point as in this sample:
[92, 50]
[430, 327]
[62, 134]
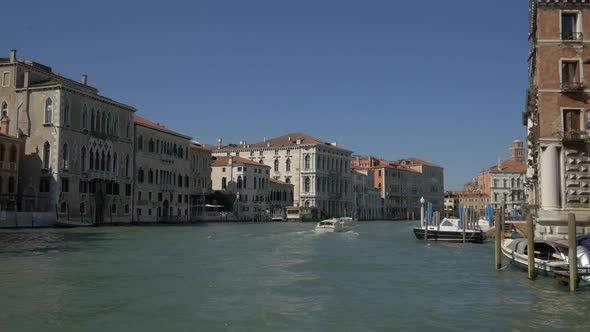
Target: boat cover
[583, 241]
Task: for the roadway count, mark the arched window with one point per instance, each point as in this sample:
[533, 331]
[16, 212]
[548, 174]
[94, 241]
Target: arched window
[97, 161]
[4, 109]
[307, 185]
[103, 124]
[140, 175]
[64, 155]
[307, 162]
[11, 185]
[108, 162]
[276, 168]
[150, 176]
[92, 120]
[102, 162]
[84, 118]
[48, 110]
[116, 126]
[128, 128]
[179, 180]
[115, 164]
[109, 123]
[46, 153]
[151, 145]
[91, 163]
[127, 165]
[66, 115]
[288, 165]
[239, 182]
[83, 159]
[97, 120]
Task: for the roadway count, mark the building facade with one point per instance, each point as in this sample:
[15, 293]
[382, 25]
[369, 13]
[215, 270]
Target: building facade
[77, 149]
[281, 197]
[162, 173]
[556, 114]
[367, 203]
[200, 179]
[318, 170]
[249, 181]
[10, 147]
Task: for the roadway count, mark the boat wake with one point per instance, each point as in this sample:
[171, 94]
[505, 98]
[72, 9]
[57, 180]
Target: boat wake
[351, 235]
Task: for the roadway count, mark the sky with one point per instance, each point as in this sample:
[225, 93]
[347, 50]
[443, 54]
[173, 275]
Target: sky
[439, 80]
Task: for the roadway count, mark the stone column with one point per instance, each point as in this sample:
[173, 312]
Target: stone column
[550, 178]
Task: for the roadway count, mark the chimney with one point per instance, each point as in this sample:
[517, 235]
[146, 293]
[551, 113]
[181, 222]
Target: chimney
[219, 142]
[12, 56]
[26, 80]
[499, 163]
[84, 79]
[4, 125]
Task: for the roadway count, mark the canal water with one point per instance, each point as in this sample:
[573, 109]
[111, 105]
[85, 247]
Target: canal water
[268, 277]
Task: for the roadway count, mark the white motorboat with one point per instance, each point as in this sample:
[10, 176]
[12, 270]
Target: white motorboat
[330, 226]
[347, 221]
[449, 231]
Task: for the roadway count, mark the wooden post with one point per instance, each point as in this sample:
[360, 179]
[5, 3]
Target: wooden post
[531, 246]
[464, 224]
[573, 251]
[498, 231]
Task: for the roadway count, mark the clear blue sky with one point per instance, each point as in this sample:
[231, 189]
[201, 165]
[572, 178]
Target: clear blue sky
[439, 80]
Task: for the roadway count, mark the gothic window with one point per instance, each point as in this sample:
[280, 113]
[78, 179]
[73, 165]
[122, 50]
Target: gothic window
[108, 162]
[97, 161]
[115, 163]
[127, 165]
[65, 156]
[109, 123]
[288, 165]
[46, 153]
[91, 162]
[48, 110]
[276, 165]
[83, 159]
[66, 115]
[92, 120]
[97, 120]
[102, 162]
[307, 185]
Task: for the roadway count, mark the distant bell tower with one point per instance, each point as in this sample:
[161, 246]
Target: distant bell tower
[517, 151]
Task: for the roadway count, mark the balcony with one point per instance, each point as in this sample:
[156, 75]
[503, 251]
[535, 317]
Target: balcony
[166, 157]
[574, 136]
[572, 37]
[573, 86]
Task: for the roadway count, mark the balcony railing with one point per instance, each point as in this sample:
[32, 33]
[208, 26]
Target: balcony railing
[572, 37]
[573, 86]
[574, 136]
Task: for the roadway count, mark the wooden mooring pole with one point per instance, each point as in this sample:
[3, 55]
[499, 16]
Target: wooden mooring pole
[498, 231]
[464, 223]
[573, 251]
[531, 246]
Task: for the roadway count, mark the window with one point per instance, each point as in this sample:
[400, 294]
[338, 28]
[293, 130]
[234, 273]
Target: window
[127, 165]
[102, 162]
[288, 165]
[91, 163]
[65, 185]
[48, 110]
[307, 162]
[307, 185]
[82, 208]
[44, 185]
[46, 153]
[127, 189]
[570, 75]
[224, 183]
[571, 120]
[569, 26]
[92, 121]
[276, 166]
[84, 118]
[239, 182]
[11, 185]
[63, 207]
[66, 114]
[4, 109]
[128, 128]
[65, 156]
[140, 176]
[6, 78]
[140, 143]
[115, 164]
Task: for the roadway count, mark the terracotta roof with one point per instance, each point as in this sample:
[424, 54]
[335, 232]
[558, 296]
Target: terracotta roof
[145, 122]
[284, 141]
[224, 161]
[508, 166]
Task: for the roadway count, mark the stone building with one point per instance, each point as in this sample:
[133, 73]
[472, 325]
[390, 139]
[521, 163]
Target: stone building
[505, 182]
[162, 173]
[366, 199]
[517, 152]
[318, 170]
[200, 178]
[248, 180]
[77, 149]
[556, 114]
[474, 200]
[402, 183]
[281, 197]
[9, 165]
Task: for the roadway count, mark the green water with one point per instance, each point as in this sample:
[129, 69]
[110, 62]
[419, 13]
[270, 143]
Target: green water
[268, 277]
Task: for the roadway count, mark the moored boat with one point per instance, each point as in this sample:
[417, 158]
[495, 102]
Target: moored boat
[449, 231]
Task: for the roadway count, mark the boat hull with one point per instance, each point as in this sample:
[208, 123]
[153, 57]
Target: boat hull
[450, 236]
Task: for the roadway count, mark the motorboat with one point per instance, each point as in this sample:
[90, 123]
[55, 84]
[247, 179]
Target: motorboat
[330, 226]
[449, 231]
[550, 256]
